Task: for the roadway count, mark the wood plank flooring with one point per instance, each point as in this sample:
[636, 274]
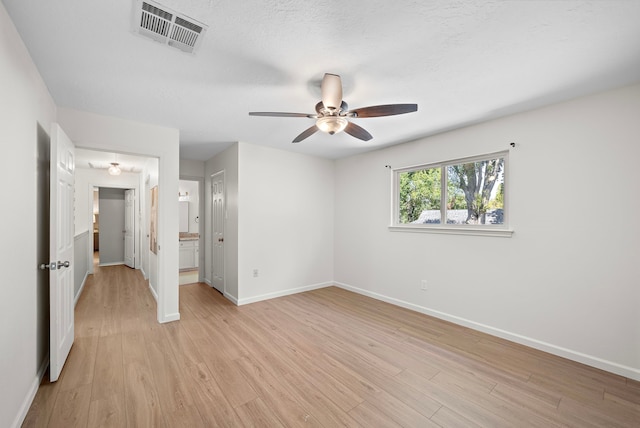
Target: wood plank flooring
[324, 358]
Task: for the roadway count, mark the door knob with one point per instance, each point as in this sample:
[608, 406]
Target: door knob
[220, 239]
[45, 266]
[63, 264]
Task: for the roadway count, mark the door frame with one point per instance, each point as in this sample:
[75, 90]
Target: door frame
[115, 135]
[222, 172]
[136, 228]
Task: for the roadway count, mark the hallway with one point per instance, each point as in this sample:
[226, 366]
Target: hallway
[111, 375]
[107, 363]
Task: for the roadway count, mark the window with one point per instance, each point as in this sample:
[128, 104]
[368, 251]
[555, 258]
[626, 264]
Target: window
[459, 196]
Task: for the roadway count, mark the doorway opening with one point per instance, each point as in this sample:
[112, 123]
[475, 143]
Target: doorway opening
[119, 235]
[189, 197]
[114, 225]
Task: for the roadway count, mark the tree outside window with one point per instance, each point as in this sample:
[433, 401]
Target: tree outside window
[462, 192]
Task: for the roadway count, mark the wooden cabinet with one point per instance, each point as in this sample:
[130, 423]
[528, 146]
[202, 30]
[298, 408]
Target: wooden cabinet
[189, 254]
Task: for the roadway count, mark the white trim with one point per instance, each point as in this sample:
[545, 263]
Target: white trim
[31, 393]
[207, 281]
[111, 264]
[451, 230]
[153, 292]
[84, 281]
[170, 317]
[228, 296]
[144, 274]
[590, 360]
[247, 300]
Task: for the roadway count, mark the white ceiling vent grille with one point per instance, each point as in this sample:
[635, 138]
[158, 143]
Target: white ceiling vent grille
[164, 25]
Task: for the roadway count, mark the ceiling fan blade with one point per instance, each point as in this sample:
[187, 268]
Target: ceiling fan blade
[357, 131]
[309, 132]
[331, 89]
[279, 114]
[384, 110]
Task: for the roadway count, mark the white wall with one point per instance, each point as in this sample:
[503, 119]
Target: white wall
[566, 282]
[92, 131]
[26, 113]
[226, 161]
[279, 220]
[191, 168]
[285, 222]
[80, 263]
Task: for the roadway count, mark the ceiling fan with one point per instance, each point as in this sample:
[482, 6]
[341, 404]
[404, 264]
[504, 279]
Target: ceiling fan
[332, 113]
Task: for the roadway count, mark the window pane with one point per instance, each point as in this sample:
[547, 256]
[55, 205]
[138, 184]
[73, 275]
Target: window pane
[475, 192]
[419, 199]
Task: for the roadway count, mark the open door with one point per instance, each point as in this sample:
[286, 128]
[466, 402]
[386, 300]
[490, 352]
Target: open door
[217, 221]
[61, 250]
[129, 224]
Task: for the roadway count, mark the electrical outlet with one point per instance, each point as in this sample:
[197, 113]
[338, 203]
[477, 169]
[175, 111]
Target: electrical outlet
[423, 285]
[255, 273]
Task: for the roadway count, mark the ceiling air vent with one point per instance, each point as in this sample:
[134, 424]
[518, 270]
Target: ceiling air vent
[166, 26]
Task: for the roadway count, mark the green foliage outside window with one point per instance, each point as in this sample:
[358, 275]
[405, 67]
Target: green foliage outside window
[419, 191]
[477, 187]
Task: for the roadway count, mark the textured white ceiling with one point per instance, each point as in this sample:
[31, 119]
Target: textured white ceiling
[460, 61]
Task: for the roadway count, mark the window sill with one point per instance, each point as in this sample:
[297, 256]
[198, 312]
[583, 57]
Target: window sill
[453, 230]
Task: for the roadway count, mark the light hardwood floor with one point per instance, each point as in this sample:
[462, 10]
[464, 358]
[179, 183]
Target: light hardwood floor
[324, 358]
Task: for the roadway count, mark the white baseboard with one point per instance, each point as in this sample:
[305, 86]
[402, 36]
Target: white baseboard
[233, 299]
[275, 294]
[590, 360]
[31, 394]
[170, 318]
[144, 274]
[111, 264]
[228, 296]
[84, 281]
[153, 292]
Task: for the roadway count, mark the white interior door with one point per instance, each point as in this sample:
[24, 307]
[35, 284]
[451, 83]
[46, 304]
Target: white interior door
[129, 225]
[61, 250]
[217, 221]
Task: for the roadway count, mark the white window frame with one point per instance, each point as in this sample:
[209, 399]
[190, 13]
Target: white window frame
[499, 230]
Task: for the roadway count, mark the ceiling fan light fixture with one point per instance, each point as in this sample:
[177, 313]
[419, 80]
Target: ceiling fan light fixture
[333, 112]
[332, 124]
[114, 169]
